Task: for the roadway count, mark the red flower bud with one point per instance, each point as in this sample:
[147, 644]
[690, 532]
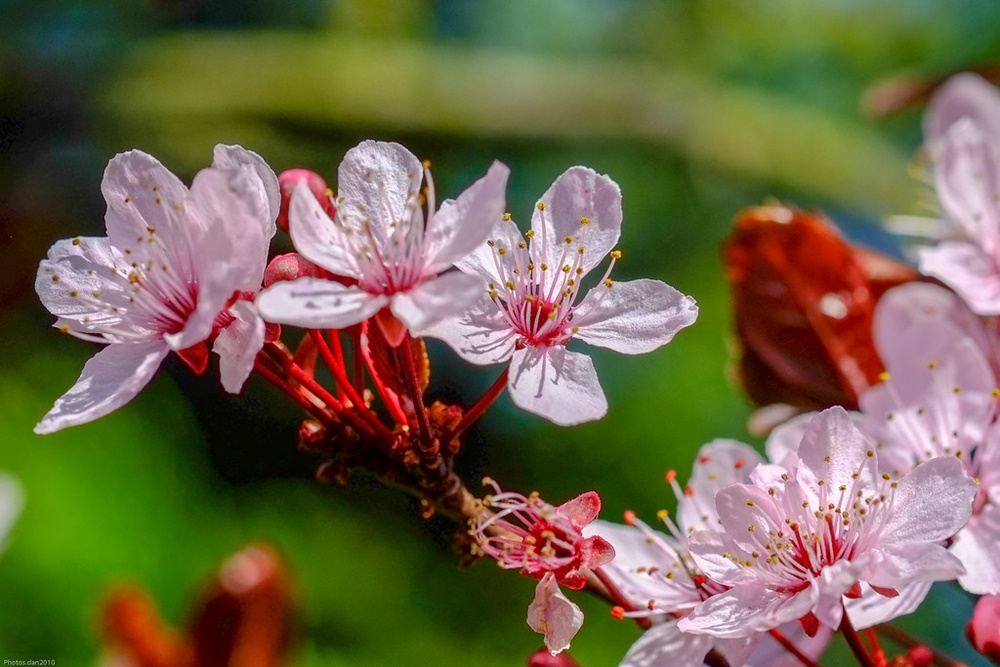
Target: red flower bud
[287, 182]
[542, 658]
[289, 267]
[984, 627]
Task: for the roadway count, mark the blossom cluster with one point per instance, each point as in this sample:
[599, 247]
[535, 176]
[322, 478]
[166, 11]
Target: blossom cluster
[856, 509]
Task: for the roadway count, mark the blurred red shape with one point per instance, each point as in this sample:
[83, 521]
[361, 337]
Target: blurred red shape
[803, 300]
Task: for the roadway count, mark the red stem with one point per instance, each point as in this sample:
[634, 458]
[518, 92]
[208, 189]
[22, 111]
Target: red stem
[296, 396]
[338, 355]
[359, 362]
[792, 648]
[854, 641]
[413, 384]
[904, 639]
[341, 377]
[485, 401]
[880, 659]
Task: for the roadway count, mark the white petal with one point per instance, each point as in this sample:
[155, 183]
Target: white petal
[718, 464]
[483, 260]
[931, 502]
[315, 303]
[664, 644]
[480, 336]
[377, 182]
[109, 380]
[265, 186]
[238, 344]
[977, 546]
[833, 449]
[967, 182]
[318, 238]
[577, 194]
[968, 270]
[746, 610]
[462, 225]
[785, 439]
[142, 194]
[963, 95]
[556, 384]
[873, 608]
[433, 300]
[633, 317]
[553, 615]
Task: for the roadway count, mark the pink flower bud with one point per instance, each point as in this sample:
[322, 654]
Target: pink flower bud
[287, 182]
[289, 267]
[542, 658]
[984, 627]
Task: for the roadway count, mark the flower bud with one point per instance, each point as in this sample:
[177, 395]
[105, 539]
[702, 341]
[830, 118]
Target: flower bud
[287, 182]
[289, 267]
[542, 658]
[983, 629]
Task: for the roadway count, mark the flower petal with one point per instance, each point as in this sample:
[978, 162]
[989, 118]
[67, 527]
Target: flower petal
[746, 610]
[553, 615]
[556, 384]
[481, 336]
[238, 344]
[579, 193]
[431, 301]
[665, 644]
[318, 238]
[377, 182]
[461, 225]
[968, 270]
[11, 503]
[833, 449]
[967, 182]
[315, 303]
[109, 380]
[977, 546]
[963, 95]
[581, 510]
[482, 260]
[932, 502]
[265, 188]
[633, 317]
[719, 463]
[898, 564]
[873, 608]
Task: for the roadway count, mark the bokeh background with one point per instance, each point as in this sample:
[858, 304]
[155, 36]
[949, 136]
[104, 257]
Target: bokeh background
[696, 108]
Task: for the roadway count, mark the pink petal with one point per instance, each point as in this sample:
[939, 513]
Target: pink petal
[141, 194]
[786, 438]
[431, 301]
[718, 464]
[581, 510]
[769, 653]
[462, 225]
[968, 270]
[377, 182]
[932, 502]
[707, 549]
[833, 449]
[480, 336]
[901, 564]
[553, 615]
[264, 189]
[872, 608]
[664, 644]
[109, 380]
[318, 238]
[964, 95]
[238, 344]
[482, 260]
[314, 303]
[595, 551]
[556, 384]
[977, 546]
[633, 317]
[737, 650]
[578, 193]
[967, 182]
[745, 610]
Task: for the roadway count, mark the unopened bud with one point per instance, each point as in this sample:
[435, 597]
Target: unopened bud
[313, 437]
[542, 658]
[291, 178]
[984, 627]
[289, 267]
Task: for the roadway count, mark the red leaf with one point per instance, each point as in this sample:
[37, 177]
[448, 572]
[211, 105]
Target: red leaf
[803, 300]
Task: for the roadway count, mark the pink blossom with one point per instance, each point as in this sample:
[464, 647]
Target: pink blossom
[177, 268]
[544, 542]
[532, 306]
[655, 573]
[381, 237]
[803, 536]
[939, 399]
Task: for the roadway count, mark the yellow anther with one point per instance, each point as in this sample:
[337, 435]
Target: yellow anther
[545, 267]
[541, 206]
[530, 233]
[76, 241]
[883, 376]
[427, 164]
[568, 239]
[522, 245]
[501, 251]
[579, 270]
[932, 364]
[55, 279]
[510, 284]
[957, 389]
[505, 217]
[490, 243]
[566, 268]
[159, 200]
[584, 220]
[609, 282]
[616, 254]
[63, 328]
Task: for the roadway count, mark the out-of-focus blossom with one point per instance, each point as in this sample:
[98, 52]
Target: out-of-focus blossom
[803, 536]
[381, 238]
[547, 543]
[533, 303]
[984, 627]
[177, 268]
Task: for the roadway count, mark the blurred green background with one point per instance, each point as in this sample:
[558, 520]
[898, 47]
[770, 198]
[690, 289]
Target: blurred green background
[696, 108]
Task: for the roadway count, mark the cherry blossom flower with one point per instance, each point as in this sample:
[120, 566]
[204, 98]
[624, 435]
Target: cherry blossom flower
[804, 535]
[381, 238]
[532, 307]
[964, 95]
[939, 399]
[655, 573]
[177, 268]
[544, 542]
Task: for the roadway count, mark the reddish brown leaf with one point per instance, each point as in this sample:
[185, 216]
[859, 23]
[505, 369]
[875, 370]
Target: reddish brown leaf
[381, 359]
[803, 300]
[132, 626]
